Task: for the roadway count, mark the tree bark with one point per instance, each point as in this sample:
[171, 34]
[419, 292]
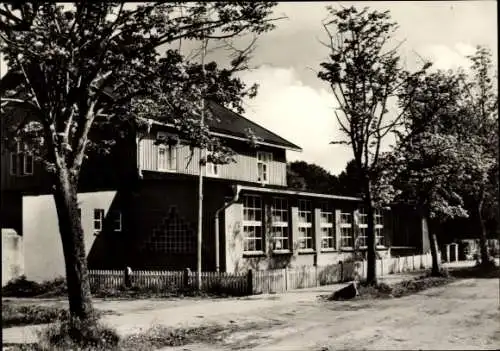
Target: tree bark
[436, 265]
[371, 272]
[483, 245]
[70, 229]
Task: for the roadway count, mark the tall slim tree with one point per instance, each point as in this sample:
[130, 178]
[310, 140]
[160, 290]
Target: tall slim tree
[364, 76]
[86, 64]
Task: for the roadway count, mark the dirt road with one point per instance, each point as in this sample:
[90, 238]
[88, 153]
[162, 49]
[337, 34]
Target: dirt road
[462, 315]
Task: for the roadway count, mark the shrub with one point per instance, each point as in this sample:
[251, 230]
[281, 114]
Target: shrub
[72, 333]
[22, 287]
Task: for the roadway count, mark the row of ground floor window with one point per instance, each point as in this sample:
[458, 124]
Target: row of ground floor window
[331, 228]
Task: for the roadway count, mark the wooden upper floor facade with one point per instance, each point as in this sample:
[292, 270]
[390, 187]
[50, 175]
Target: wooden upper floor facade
[263, 163]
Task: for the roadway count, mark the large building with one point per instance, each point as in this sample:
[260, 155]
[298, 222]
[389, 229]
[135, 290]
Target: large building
[139, 207]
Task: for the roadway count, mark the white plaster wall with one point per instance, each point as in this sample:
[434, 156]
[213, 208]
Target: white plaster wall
[43, 254]
[12, 255]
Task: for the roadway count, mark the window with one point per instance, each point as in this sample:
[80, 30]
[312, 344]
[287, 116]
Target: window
[252, 224]
[21, 161]
[98, 220]
[279, 214]
[212, 168]
[379, 228]
[263, 160]
[327, 228]
[167, 154]
[346, 229]
[305, 225]
[117, 221]
[363, 227]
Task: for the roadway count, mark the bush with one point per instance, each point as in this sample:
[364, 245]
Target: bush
[21, 287]
[72, 333]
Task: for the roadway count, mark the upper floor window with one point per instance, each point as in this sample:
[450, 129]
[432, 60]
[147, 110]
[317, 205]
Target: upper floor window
[167, 153]
[98, 220]
[212, 168]
[21, 161]
[117, 221]
[263, 161]
[305, 225]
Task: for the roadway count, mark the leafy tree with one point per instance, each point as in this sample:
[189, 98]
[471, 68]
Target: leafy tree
[307, 176]
[94, 64]
[364, 77]
[348, 181]
[478, 128]
[433, 159]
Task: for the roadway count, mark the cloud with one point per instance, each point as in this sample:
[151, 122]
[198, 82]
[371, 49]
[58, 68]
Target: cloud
[298, 113]
[446, 57]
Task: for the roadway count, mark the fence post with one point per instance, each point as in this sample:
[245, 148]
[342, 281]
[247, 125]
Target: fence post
[413, 262]
[341, 264]
[381, 267]
[286, 278]
[250, 282]
[187, 273]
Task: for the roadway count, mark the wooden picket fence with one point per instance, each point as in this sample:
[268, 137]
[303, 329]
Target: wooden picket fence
[170, 281]
[256, 282]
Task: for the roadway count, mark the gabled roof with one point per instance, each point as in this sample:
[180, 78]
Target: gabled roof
[226, 123]
[229, 123]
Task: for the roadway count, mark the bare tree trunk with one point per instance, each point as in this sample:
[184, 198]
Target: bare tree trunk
[70, 228]
[483, 245]
[371, 272]
[436, 264]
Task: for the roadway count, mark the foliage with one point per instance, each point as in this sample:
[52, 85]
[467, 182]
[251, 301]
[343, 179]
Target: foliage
[90, 73]
[68, 333]
[21, 287]
[364, 77]
[19, 315]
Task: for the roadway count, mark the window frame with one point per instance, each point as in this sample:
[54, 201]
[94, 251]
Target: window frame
[21, 158]
[327, 221]
[346, 226]
[264, 158]
[211, 169]
[117, 219]
[283, 227]
[305, 226]
[379, 227]
[255, 224]
[98, 219]
[170, 154]
[362, 228]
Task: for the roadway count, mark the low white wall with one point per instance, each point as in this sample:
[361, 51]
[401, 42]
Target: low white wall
[12, 255]
[43, 254]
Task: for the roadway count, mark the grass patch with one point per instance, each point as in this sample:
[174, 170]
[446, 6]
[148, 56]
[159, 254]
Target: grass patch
[15, 315]
[19, 315]
[89, 337]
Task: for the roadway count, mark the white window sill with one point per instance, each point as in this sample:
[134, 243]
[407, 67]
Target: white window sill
[328, 249]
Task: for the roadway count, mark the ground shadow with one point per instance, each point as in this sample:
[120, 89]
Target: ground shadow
[477, 272]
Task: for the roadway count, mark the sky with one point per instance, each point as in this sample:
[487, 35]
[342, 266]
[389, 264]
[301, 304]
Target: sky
[295, 104]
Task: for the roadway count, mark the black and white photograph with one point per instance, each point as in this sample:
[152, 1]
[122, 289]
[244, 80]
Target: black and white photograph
[272, 176]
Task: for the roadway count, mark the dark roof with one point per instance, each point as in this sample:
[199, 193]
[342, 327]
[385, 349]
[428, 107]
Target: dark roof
[231, 123]
[225, 121]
